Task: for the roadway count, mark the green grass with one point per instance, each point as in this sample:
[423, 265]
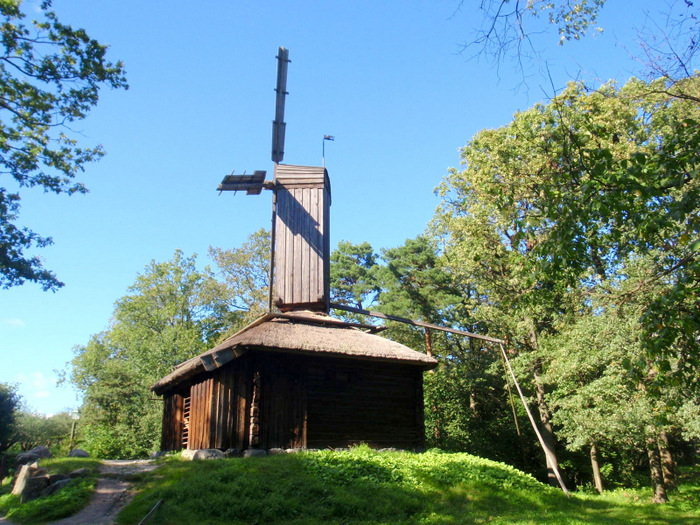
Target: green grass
[362, 486]
[64, 503]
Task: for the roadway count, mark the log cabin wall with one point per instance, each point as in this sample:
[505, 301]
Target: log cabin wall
[302, 238]
[171, 432]
[352, 402]
[304, 402]
[200, 413]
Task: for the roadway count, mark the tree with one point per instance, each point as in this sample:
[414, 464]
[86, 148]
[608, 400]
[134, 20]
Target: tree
[506, 25]
[9, 404]
[245, 272]
[666, 45]
[34, 430]
[581, 183]
[50, 77]
[551, 209]
[173, 312]
[353, 279]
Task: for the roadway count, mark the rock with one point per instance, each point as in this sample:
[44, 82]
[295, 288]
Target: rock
[53, 478]
[208, 453]
[276, 451]
[157, 454]
[204, 453]
[23, 475]
[55, 487]
[26, 457]
[33, 488]
[254, 453]
[80, 473]
[294, 450]
[42, 452]
[389, 449]
[78, 453]
[233, 453]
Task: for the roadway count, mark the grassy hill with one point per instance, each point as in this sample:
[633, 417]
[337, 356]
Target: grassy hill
[363, 486]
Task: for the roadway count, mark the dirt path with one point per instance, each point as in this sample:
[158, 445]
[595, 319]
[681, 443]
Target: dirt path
[111, 494]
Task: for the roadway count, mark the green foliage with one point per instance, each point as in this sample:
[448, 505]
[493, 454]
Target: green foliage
[353, 275]
[245, 273]
[9, 404]
[50, 76]
[364, 486]
[34, 430]
[576, 227]
[63, 503]
[415, 285]
[173, 312]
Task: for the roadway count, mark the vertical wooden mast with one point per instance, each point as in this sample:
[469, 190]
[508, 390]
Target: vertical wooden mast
[300, 248]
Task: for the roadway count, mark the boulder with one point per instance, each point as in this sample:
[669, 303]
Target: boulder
[53, 478]
[208, 453]
[55, 487]
[33, 488]
[42, 452]
[25, 458]
[23, 475]
[80, 473]
[276, 451]
[203, 453]
[233, 453]
[254, 453]
[78, 453]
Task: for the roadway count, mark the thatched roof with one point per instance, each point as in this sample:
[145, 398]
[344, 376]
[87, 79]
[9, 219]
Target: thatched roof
[298, 333]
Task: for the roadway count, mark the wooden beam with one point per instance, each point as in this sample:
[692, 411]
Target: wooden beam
[413, 322]
[278, 125]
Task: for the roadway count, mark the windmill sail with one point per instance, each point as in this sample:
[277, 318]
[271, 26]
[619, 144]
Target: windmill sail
[278, 125]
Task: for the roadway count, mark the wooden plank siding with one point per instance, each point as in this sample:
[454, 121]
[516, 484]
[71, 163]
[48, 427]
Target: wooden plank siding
[302, 238]
[304, 402]
[200, 413]
[171, 432]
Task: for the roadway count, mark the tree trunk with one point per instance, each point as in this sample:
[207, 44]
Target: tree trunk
[657, 478]
[597, 478]
[546, 430]
[668, 468]
[428, 342]
[545, 416]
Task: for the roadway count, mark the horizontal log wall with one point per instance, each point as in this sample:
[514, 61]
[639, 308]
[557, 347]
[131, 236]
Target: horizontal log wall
[304, 402]
[363, 402]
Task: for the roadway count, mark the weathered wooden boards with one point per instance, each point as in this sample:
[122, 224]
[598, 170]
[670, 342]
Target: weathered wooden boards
[302, 238]
[268, 400]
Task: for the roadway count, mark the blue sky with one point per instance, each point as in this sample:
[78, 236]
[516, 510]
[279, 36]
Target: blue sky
[385, 78]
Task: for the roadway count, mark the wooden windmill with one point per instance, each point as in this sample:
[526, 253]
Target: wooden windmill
[302, 379]
[300, 262]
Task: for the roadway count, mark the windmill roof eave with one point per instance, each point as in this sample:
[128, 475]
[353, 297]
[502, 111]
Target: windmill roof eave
[298, 333]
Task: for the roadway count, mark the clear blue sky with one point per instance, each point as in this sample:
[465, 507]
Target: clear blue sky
[385, 78]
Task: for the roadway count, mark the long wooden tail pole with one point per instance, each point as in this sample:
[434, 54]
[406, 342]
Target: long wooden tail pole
[500, 342]
[413, 322]
[547, 453]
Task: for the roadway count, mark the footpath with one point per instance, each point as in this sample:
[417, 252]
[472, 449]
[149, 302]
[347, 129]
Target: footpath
[112, 494]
